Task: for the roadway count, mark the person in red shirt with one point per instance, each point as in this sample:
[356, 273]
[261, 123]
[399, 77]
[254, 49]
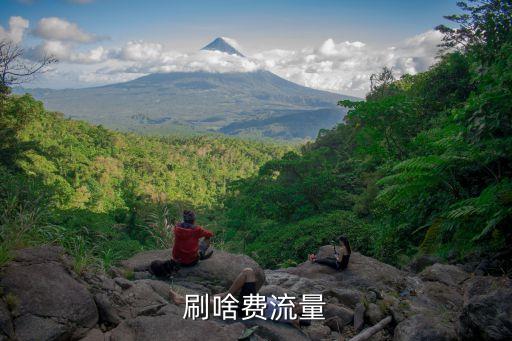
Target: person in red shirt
[191, 241]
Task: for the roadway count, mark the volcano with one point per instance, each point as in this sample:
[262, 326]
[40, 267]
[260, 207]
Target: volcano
[257, 103]
[221, 44]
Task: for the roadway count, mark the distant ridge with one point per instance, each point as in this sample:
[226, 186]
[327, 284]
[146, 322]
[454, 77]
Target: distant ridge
[220, 44]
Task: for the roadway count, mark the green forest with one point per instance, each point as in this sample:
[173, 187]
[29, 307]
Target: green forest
[105, 195]
[422, 166]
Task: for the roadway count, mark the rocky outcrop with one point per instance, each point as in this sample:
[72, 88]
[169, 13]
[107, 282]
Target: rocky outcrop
[487, 311]
[213, 274]
[424, 327]
[171, 326]
[363, 272]
[43, 299]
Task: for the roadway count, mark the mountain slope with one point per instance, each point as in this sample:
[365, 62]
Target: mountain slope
[201, 101]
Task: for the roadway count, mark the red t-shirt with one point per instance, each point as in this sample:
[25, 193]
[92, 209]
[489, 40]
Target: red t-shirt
[186, 243]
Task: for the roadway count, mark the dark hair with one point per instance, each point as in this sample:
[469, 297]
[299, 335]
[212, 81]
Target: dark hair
[189, 216]
[345, 242]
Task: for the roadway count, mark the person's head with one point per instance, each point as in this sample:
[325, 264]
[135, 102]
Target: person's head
[344, 242]
[189, 217]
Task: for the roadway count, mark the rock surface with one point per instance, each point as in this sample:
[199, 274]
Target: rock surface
[48, 302]
[219, 270]
[173, 327]
[487, 311]
[43, 299]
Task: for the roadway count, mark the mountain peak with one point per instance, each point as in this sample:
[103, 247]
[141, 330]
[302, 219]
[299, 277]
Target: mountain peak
[222, 44]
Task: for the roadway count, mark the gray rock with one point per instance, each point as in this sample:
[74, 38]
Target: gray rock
[346, 315]
[420, 262]
[160, 287]
[296, 285]
[123, 283]
[441, 295]
[107, 314]
[35, 328]
[51, 301]
[269, 290]
[448, 274]
[139, 299]
[95, 335]
[99, 282]
[423, 327]
[335, 323]
[318, 332]
[6, 327]
[173, 327]
[220, 269]
[362, 272]
[276, 331]
[371, 296]
[359, 317]
[348, 297]
[373, 313]
[487, 312]
[142, 260]
[41, 254]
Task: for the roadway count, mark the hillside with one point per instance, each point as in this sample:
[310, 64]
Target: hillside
[104, 194]
[198, 101]
[422, 166]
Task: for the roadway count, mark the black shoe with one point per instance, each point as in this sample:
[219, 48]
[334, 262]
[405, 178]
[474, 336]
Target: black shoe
[203, 256]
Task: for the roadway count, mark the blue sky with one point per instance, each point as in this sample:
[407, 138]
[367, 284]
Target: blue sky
[258, 26]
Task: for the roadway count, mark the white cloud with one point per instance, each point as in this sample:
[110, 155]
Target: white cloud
[65, 52]
[152, 57]
[58, 29]
[140, 51]
[17, 28]
[346, 67]
[342, 67]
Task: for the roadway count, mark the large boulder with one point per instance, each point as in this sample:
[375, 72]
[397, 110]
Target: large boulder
[141, 297]
[362, 272]
[424, 327]
[346, 316]
[295, 285]
[487, 311]
[218, 271]
[348, 297]
[172, 327]
[448, 274]
[276, 331]
[420, 262]
[49, 302]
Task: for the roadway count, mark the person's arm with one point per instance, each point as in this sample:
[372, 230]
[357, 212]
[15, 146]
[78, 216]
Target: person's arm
[206, 234]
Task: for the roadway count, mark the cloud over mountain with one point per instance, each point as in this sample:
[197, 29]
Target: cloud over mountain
[342, 67]
[346, 66]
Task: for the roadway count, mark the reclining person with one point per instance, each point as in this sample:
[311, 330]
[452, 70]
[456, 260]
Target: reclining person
[336, 262]
[245, 285]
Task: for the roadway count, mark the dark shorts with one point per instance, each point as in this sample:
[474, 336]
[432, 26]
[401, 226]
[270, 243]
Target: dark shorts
[247, 289]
